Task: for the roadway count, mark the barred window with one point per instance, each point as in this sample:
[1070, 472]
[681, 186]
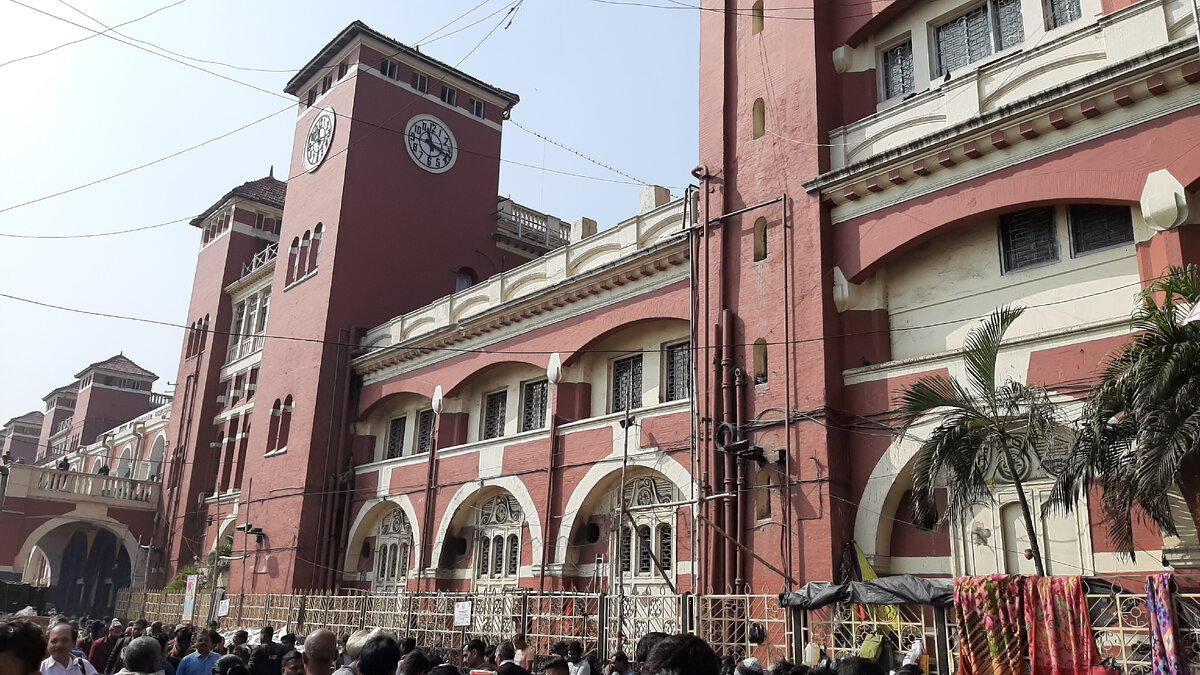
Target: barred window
[533, 415]
[897, 67]
[485, 546]
[395, 440]
[405, 561]
[425, 430]
[1028, 238]
[990, 27]
[514, 555]
[493, 414]
[1099, 226]
[679, 371]
[395, 567]
[1061, 12]
[626, 549]
[383, 562]
[627, 383]
[645, 552]
[665, 544]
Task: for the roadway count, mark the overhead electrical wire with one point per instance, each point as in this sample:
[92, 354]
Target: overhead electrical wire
[89, 37]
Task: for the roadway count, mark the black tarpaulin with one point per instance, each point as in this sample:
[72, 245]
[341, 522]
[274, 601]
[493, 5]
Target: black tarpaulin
[903, 589]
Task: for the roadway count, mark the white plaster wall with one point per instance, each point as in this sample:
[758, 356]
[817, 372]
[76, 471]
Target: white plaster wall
[955, 280]
[649, 338]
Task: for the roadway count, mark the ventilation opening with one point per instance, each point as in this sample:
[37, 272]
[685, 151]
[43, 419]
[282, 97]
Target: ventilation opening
[760, 361]
[760, 118]
[760, 239]
[756, 17]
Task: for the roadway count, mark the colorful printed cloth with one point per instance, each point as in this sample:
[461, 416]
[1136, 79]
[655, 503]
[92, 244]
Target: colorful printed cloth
[1005, 619]
[1164, 646]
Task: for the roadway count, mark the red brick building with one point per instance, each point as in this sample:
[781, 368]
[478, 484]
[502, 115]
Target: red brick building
[452, 391]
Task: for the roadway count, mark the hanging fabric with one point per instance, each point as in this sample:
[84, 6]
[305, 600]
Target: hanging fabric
[1058, 628]
[1164, 646]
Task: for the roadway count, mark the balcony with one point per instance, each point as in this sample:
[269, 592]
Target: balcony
[72, 487]
[527, 231]
[63, 425]
[263, 257]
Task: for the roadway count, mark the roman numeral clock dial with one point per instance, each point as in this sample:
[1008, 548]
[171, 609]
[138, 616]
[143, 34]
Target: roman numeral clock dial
[430, 143]
[319, 138]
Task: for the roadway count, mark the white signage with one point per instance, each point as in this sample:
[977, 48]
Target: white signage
[223, 607]
[462, 614]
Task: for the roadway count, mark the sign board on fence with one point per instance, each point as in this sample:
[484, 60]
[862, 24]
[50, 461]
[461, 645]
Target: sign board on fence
[189, 598]
[223, 607]
[462, 614]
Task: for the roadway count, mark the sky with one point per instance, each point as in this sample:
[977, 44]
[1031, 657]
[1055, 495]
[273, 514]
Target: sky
[616, 83]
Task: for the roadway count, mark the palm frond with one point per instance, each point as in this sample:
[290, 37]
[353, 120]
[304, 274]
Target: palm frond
[982, 347]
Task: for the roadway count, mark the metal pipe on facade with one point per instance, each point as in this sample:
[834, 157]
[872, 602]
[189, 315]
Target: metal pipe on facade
[324, 509]
[739, 531]
[785, 490]
[342, 494]
[729, 417]
[552, 453]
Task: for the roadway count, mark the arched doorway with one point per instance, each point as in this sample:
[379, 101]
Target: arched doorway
[154, 462]
[87, 566]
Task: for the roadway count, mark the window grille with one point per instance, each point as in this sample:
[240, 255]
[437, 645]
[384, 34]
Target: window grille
[383, 562]
[627, 383]
[1063, 12]
[534, 414]
[497, 555]
[395, 441]
[514, 555]
[1099, 226]
[626, 546]
[405, 561]
[1028, 238]
[425, 431]
[485, 546]
[990, 27]
[665, 542]
[493, 414]
[645, 552]
[679, 371]
[395, 559]
[898, 70]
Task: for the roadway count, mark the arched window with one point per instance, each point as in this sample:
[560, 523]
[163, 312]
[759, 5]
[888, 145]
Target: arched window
[760, 361]
[302, 257]
[762, 495]
[285, 422]
[293, 255]
[273, 429]
[499, 525]
[760, 118]
[756, 18]
[314, 256]
[760, 239]
[393, 541]
[648, 544]
[464, 278]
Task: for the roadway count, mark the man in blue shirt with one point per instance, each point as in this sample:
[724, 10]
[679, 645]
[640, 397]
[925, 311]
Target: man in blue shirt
[199, 662]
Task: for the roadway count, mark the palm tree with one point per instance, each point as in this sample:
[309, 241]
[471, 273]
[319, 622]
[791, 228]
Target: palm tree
[1141, 421]
[982, 423]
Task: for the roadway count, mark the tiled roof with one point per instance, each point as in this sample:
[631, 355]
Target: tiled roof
[33, 417]
[267, 190]
[119, 364]
[336, 44]
[65, 389]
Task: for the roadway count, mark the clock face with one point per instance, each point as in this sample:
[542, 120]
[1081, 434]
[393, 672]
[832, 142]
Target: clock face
[430, 143]
[320, 137]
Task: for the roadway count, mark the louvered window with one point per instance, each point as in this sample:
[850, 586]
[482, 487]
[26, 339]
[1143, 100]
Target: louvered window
[485, 547]
[992, 26]
[645, 552]
[627, 383]
[665, 544]
[514, 555]
[1061, 12]
[497, 555]
[897, 64]
[1099, 226]
[1028, 238]
[395, 440]
[626, 549]
[425, 430]
[493, 414]
[679, 371]
[533, 415]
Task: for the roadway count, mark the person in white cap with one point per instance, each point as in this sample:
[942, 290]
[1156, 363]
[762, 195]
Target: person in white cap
[749, 666]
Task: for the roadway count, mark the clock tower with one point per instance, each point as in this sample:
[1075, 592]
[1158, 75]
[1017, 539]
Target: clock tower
[391, 203]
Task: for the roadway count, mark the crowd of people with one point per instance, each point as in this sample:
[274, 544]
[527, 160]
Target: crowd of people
[144, 648]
